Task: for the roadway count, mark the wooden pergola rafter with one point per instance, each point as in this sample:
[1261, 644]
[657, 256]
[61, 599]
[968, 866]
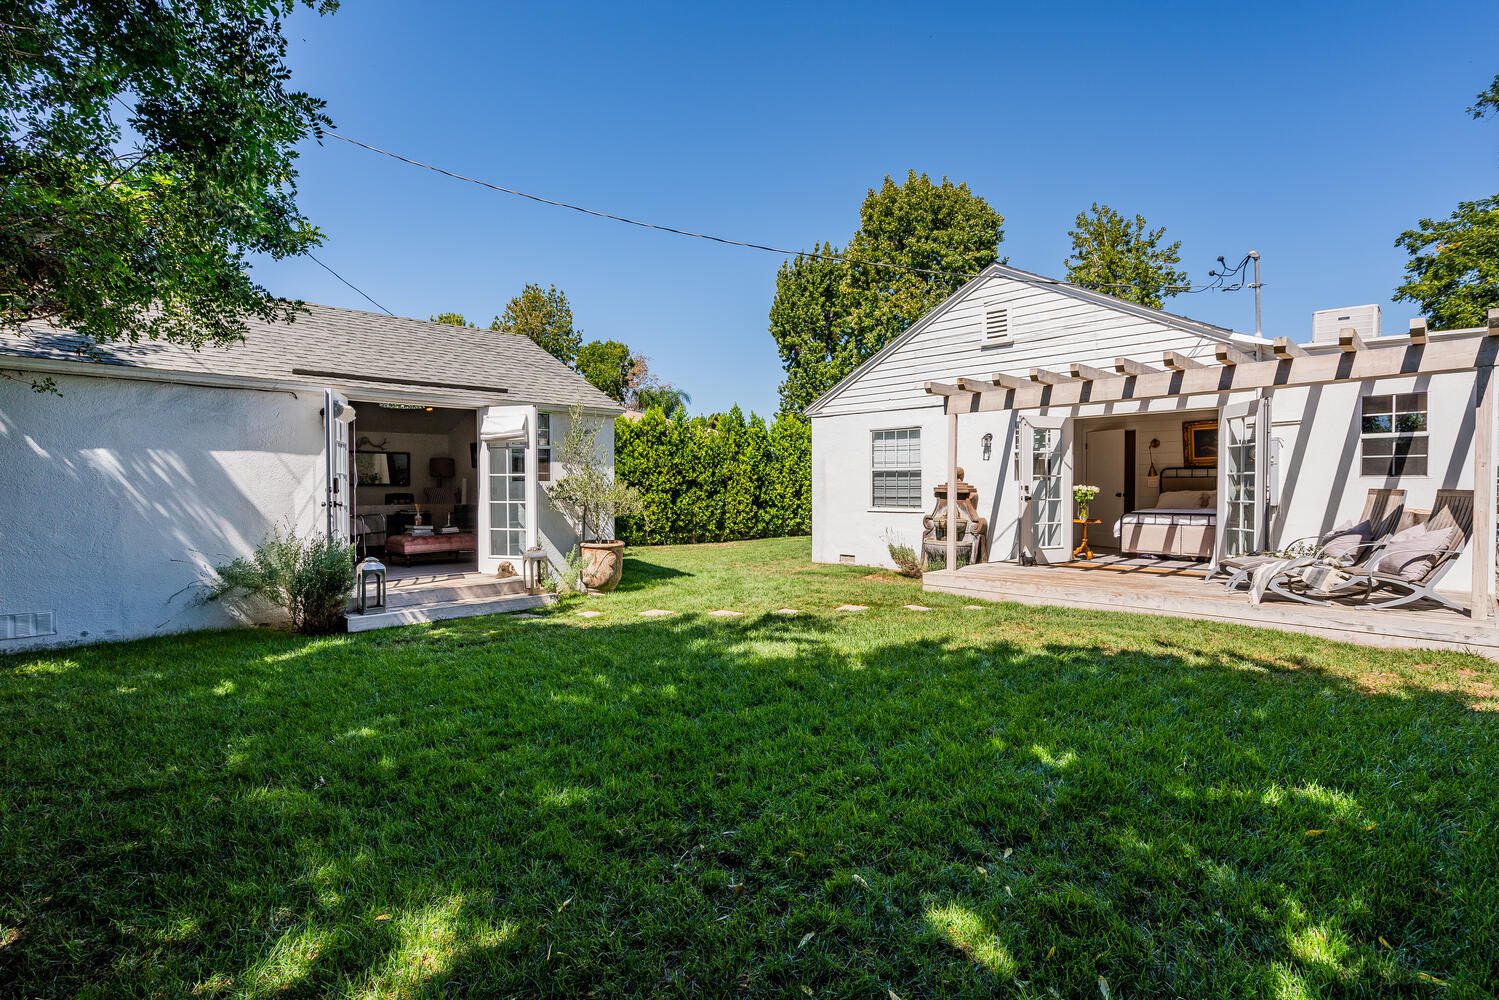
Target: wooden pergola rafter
[1289, 366]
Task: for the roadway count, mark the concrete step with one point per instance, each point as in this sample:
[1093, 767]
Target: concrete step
[444, 610]
[459, 587]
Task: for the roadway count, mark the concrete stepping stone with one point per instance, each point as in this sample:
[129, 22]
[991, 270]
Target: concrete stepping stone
[852, 607]
[725, 613]
[656, 613]
[974, 607]
[524, 614]
[916, 607]
[788, 612]
[589, 614]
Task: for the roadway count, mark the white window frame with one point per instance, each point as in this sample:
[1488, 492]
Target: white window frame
[910, 465]
[1396, 410]
[543, 447]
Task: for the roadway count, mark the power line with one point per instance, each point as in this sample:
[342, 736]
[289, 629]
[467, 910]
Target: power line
[781, 251]
[351, 284]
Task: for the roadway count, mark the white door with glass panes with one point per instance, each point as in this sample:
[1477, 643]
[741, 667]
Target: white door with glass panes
[1044, 464]
[507, 485]
[1243, 477]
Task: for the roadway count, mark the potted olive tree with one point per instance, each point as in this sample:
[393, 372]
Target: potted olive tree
[589, 496]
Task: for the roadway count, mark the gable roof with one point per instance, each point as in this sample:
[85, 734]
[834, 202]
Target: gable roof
[348, 349]
[996, 270]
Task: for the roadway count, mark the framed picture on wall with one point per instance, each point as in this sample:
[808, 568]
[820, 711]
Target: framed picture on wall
[1200, 443]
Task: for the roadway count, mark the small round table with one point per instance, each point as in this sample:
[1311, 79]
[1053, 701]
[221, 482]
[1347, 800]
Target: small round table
[1082, 549]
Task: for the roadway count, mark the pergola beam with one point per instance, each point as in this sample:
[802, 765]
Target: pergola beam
[1494, 322]
[941, 389]
[1046, 377]
[1130, 368]
[1003, 381]
[1088, 372]
[1180, 362]
[975, 384]
[1286, 349]
[1349, 341]
[1419, 332]
[1447, 354]
[1231, 355]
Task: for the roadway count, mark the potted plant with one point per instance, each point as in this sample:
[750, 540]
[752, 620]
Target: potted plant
[1083, 496]
[589, 496]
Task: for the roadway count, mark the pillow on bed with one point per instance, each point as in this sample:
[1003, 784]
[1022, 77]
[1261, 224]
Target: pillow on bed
[1209, 499]
[1412, 551]
[1179, 500]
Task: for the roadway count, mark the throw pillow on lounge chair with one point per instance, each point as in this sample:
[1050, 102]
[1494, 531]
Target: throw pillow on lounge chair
[1343, 542]
[1412, 552]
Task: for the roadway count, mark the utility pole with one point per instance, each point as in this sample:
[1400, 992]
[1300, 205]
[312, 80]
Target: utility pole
[1254, 255]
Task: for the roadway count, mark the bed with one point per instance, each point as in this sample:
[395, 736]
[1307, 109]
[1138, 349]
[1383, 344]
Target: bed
[1182, 524]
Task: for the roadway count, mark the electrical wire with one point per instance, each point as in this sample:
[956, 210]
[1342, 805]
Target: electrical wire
[727, 241]
[351, 284]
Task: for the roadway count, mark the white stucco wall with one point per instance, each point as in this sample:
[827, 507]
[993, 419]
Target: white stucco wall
[555, 534]
[117, 494]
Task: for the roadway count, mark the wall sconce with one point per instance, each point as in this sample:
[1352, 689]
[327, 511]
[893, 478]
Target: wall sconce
[988, 446]
[1153, 472]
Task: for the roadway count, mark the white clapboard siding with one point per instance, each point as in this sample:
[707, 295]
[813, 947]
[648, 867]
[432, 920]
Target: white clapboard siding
[1048, 328]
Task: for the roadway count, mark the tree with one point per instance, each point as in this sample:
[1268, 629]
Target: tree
[1124, 258]
[147, 233]
[609, 366]
[662, 396]
[449, 319]
[828, 316]
[546, 317]
[1453, 272]
[587, 493]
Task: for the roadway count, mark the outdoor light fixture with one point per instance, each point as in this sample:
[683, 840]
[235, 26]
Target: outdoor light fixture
[988, 446]
[369, 572]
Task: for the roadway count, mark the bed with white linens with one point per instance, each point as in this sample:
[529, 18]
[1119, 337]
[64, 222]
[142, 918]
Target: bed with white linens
[1182, 523]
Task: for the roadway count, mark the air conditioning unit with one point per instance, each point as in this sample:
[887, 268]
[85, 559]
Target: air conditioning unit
[1327, 322]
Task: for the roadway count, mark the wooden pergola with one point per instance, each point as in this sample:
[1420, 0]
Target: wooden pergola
[1237, 370]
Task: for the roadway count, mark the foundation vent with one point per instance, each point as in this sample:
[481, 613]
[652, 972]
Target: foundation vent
[28, 624]
[846, 559]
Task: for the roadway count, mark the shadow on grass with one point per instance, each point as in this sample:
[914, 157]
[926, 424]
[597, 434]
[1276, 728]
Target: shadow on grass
[640, 574]
[759, 805]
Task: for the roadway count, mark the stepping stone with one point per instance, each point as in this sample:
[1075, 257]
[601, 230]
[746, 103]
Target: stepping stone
[725, 613]
[852, 607]
[973, 607]
[788, 612]
[916, 607]
[656, 613]
[589, 614]
[524, 614]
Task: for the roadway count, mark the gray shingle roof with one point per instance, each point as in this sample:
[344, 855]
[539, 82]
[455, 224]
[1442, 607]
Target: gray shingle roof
[352, 350]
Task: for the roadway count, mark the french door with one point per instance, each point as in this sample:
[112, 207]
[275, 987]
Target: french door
[1045, 466]
[507, 500]
[1243, 477]
[507, 485]
[338, 496]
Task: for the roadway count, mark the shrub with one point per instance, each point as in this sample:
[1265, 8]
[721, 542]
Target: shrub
[908, 562]
[311, 579]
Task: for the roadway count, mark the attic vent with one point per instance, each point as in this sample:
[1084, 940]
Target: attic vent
[997, 325]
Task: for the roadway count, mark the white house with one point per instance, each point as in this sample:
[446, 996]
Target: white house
[1032, 385]
[154, 462]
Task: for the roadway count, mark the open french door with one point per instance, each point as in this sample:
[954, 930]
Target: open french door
[338, 497]
[1045, 465]
[507, 485]
[1243, 477]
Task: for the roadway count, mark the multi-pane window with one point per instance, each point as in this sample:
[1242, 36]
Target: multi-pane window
[897, 467]
[507, 499]
[1393, 437]
[544, 447]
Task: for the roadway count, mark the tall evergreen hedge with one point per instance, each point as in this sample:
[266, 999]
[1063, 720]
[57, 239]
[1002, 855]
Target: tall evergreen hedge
[716, 478]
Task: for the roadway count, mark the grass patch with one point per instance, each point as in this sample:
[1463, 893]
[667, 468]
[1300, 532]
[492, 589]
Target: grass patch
[957, 803]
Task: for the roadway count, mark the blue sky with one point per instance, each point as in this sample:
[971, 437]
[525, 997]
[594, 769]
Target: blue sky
[1312, 132]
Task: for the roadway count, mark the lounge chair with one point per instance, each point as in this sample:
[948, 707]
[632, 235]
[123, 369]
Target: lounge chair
[1366, 585]
[1383, 510]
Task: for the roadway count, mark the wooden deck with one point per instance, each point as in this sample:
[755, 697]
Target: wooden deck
[1100, 589]
[440, 591]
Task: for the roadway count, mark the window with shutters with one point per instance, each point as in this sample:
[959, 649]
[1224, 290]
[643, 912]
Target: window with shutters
[1392, 435]
[897, 468]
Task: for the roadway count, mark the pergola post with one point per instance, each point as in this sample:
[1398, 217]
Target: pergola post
[1484, 490]
[952, 487]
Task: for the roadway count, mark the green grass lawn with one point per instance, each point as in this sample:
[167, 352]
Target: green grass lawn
[1011, 801]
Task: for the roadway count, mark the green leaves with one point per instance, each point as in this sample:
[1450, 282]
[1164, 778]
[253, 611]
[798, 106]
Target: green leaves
[1124, 258]
[608, 365]
[829, 316]
[546, 317]
[148, 236]
[1453, 272]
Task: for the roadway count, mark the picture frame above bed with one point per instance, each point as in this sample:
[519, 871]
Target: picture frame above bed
[1200, 443]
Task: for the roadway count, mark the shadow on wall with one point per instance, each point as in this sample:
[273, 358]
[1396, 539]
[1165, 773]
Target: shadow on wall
[767, 803]
[122, 494]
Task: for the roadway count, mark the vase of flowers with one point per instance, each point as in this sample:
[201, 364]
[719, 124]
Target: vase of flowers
[1082, 496]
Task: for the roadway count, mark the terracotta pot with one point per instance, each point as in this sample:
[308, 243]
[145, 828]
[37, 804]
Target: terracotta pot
[604, 564]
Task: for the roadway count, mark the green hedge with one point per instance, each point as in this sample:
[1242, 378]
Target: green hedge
[715, 479]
